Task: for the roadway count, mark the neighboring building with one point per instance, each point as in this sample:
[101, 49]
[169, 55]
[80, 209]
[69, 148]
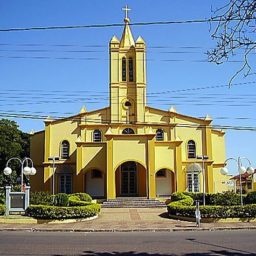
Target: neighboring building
[248, 182]
[127, 148]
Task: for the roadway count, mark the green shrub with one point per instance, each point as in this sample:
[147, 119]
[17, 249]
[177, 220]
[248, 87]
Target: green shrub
[250, 198]
[75, 201]
[55, 212]
[199, 197]
[2, 209]
[61, 199]
[83, 196]
[180, 199]
[43, 198]
[225, 198]
[2, 197]
[215, 211]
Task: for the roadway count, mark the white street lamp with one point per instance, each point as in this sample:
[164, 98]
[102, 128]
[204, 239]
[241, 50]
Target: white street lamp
[241, 170]
[27, 171]
[33, 171]
[250, 170]
[7, 171]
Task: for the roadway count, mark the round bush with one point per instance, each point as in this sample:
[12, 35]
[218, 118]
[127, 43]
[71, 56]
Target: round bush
[180, 199]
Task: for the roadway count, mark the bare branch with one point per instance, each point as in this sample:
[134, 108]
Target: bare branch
[235, 31]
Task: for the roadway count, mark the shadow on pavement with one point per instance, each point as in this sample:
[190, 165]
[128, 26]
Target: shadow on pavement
[164, 215]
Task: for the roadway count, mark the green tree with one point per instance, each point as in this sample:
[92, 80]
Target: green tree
[13, 143]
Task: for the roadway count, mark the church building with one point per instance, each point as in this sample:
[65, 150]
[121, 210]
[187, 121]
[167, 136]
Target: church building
[128, 149]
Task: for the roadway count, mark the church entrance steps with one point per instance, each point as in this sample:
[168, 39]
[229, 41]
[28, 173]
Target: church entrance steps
[132, 202]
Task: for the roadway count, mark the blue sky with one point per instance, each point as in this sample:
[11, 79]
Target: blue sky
[56, 72]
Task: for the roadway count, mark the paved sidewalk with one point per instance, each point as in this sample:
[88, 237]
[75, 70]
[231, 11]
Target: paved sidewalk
[128, 220]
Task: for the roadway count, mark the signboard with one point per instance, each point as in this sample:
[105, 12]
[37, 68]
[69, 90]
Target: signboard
[17, 201]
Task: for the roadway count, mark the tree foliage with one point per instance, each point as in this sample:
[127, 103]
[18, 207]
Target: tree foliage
[235, 34]
[13, 143]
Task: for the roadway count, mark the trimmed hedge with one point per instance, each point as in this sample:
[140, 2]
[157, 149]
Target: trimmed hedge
[2, 197]
[83, 196]
[2, 209]
[215, 211]
[250, 198]
[56, 212]
[61, 199]
[225, 198]
[42, 198]
[75, 201]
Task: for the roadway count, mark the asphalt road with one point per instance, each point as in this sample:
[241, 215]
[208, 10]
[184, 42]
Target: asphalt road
[120, 244]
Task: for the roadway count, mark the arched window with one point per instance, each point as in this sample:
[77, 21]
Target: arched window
[128, 131]
[65, 149]
[130, 70]
[123, 69]
[97, 136]
[191, 149]
[159, 135]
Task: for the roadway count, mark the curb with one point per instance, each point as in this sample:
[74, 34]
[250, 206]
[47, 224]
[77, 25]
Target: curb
[157, 230]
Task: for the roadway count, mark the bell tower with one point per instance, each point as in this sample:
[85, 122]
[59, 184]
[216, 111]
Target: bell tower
[127, 77]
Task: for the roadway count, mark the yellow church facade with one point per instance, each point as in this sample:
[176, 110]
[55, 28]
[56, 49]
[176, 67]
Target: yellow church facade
[128, 149]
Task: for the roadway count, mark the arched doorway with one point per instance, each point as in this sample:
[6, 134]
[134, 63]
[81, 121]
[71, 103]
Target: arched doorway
[130, 180]
[164, 182]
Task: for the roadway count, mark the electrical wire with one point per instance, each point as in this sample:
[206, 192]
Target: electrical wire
[99, 121]
[193, 21]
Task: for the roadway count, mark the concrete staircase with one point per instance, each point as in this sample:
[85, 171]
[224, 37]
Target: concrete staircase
[132, 202]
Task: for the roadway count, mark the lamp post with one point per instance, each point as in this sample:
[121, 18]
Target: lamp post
[18, 201]
[27, 171]
[203, 157]
[241, 170]
[53, 159]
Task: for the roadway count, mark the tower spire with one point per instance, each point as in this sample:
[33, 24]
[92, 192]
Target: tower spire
[127, 38]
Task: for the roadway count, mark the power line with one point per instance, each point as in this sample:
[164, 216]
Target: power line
[194, 21]
[57, 113]
[99, 121]
[189, 90]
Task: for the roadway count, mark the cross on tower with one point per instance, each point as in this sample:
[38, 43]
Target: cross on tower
[126, 9]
